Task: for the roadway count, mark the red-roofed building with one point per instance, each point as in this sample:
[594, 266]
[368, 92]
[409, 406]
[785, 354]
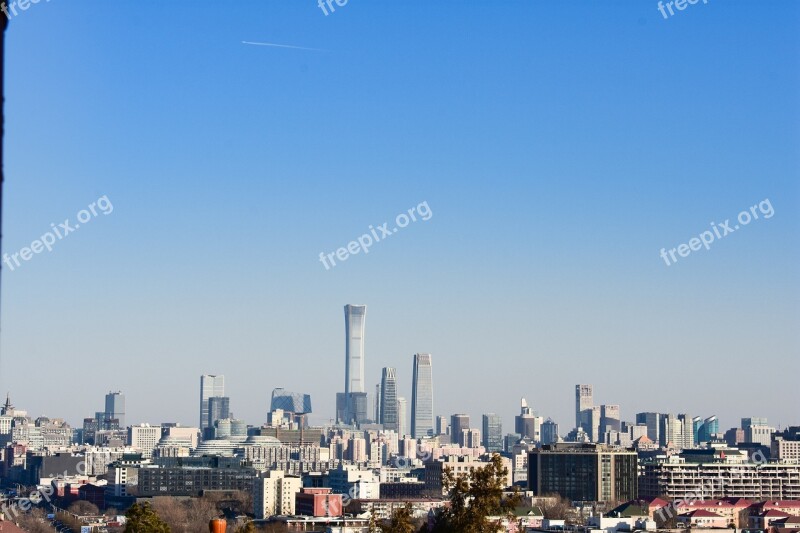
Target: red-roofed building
[790, 507]
[730, 509]
[9, 527]
[767, 518]
[700, 518]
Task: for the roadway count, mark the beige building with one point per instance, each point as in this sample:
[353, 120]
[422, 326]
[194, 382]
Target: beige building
[274, 494]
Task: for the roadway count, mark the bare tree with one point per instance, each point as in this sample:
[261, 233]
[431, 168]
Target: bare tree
[200, 512]
[171, 511]
[83, 508]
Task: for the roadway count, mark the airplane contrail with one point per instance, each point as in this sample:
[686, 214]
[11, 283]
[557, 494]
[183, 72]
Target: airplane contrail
[284, 46]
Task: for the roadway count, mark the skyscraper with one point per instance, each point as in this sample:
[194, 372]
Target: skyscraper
[378, 403]
[402, 426]
[583, 403]
[549, 432]
[219, 407]
[610, 418]
[441, 424]
[653, 423]
[389, 399]
[458, 424]
[527, 424]
[354, 318]
[115, 407]
[422, 396]
[492, 432]
[210, 385]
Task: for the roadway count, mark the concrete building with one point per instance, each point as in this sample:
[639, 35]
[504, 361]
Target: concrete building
[583, 472]
[402, 407]
[145, 438]
[785, 446]
[718, 473]
[274, 493]
[653, 423]
[318, 502]
[458, 424]
[583, 403]
[459, 465]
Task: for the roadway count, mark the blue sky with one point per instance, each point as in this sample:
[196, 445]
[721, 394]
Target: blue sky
[559, 145]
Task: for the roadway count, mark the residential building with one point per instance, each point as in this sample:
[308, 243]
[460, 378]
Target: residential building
[274, 493]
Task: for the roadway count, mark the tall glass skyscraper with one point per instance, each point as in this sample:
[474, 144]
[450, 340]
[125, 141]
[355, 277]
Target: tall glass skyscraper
[115, 408]
[422, 397]
[492, 433]
[389, 417]
[354, 318]
[210, 385]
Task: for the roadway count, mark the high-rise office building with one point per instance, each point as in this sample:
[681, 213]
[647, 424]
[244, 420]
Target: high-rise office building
[458, 424]
[354, 320]
[291, 402]
[609, 418]
[527, 424]
[422, 397]
[210, 385]
[653, 423]
[378, 403]
[708, 429]
[583, 403]
[219, 407]
[441, 424]
[549, 432]
[389, 399]
[402, 407]
[115, 407]
[492, 432]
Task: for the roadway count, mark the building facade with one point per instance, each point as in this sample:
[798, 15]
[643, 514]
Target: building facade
[210, 385]
[584, 472]
[422, 397]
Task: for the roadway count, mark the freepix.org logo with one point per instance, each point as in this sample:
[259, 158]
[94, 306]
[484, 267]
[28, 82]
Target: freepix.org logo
[375, 235]
[723, 229]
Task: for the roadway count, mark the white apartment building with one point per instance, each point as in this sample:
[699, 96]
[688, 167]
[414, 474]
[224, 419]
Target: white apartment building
[274, 494]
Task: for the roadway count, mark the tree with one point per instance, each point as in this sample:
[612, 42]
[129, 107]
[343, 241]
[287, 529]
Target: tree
[83, 508]
[474, 498]
[401, 521]
[34, 522]
[172, 512]
[143, 519]
[200, 511]
[556, 508]
[248, 527]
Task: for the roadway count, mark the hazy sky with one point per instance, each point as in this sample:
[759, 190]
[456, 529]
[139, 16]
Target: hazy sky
[559, 146]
